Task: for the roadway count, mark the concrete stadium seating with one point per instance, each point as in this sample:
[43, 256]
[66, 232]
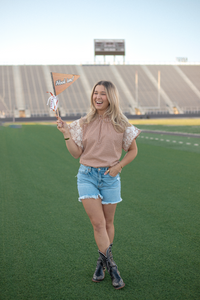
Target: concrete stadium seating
[23, 89]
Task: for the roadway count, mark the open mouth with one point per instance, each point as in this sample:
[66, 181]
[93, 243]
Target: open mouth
[99, 102]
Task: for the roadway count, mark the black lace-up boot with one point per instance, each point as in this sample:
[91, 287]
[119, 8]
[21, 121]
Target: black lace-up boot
[117, 281]
[99, 273]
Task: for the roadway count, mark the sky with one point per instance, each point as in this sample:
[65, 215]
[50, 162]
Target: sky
[63, 31]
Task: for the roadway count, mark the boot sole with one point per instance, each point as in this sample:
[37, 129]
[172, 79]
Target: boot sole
[97, 280]
[120, 287]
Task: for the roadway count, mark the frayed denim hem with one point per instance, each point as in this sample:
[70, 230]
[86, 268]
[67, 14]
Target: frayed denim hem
[90, 197]
[112, 202]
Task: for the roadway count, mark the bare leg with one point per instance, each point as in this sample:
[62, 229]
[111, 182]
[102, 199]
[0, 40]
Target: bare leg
[109, 213]
[94, 210]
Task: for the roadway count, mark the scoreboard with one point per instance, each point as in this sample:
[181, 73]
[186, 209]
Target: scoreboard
[109, 47]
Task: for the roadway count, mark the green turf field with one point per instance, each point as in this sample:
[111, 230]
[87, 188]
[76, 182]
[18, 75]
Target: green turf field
[47, 249]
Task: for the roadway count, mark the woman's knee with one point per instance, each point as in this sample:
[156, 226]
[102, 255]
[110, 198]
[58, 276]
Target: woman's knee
[109, 224]
[98, 225]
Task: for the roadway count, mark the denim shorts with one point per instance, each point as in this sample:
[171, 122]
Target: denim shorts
[92, 183]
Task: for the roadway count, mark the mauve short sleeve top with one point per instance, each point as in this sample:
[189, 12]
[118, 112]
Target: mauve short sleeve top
[101, 144]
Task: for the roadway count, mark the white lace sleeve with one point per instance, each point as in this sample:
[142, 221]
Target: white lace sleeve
[130, 134]
[76, 132]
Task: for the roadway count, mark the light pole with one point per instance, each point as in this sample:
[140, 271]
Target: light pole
[159, 89]
[136, 88]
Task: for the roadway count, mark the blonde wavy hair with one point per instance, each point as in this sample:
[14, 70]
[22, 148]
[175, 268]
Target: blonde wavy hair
[118, 119]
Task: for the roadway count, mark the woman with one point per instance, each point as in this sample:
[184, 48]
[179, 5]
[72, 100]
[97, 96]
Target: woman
[98, 140]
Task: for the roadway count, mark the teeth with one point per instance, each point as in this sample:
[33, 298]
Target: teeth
[99, 102]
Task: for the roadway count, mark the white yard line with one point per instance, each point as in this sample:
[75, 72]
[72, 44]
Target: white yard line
[157, 139]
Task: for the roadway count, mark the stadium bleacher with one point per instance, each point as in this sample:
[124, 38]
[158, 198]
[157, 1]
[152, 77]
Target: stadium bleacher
[23, 89]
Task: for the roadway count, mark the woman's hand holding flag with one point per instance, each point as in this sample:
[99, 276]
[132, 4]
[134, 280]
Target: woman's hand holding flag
[61, 125]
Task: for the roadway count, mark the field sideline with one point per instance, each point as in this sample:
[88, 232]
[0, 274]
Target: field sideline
[48, 250]
[170, 122]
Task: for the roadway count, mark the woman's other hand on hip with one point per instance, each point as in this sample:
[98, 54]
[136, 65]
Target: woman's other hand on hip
[113, 171]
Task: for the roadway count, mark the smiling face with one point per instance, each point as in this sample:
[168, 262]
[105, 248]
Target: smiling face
[100, 100]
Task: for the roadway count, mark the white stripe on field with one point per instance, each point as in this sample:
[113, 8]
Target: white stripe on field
[157, 139]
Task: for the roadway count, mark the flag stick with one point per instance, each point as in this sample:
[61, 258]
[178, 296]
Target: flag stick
[57, 112]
